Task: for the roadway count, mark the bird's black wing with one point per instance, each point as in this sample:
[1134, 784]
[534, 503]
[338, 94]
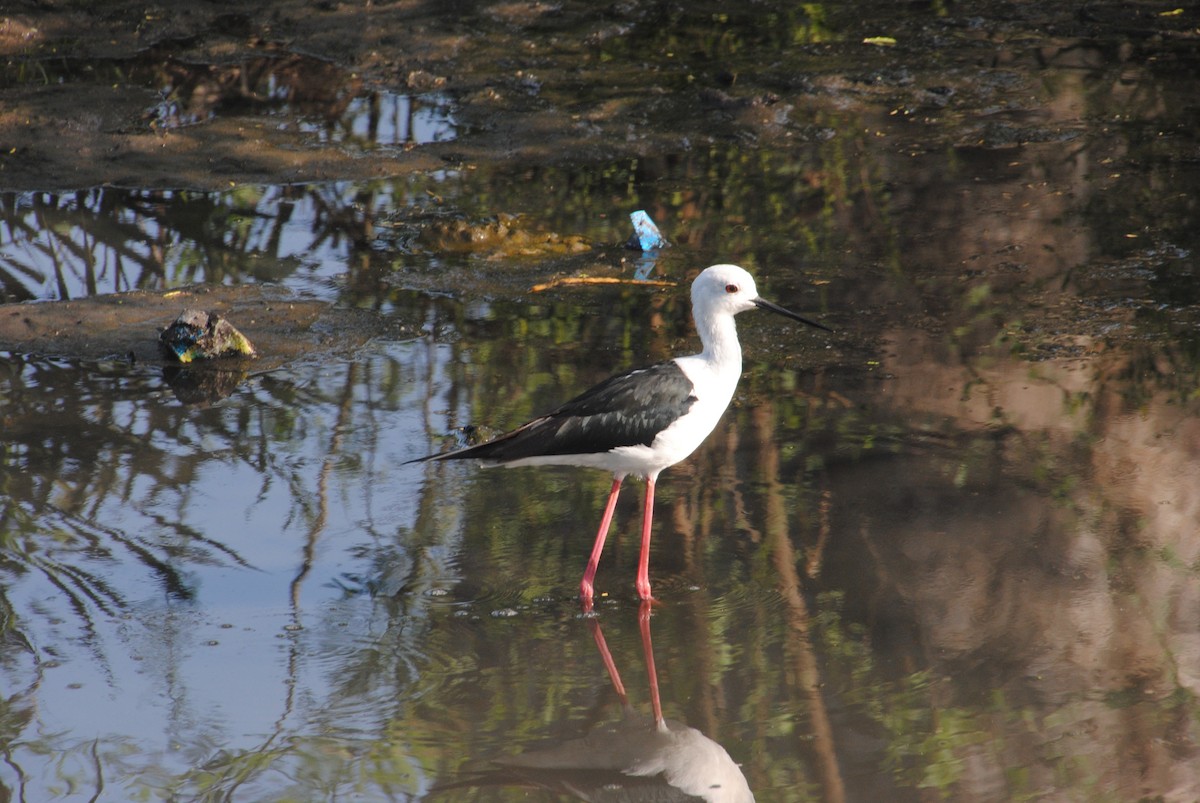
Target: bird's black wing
[628, 409]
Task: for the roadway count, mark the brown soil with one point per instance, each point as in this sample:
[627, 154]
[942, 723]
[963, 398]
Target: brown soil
[95, 129]
[125, 326]
[81, 101]
[81, 83]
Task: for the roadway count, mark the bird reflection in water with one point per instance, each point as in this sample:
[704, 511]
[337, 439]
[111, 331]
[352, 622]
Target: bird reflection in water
[637, 759]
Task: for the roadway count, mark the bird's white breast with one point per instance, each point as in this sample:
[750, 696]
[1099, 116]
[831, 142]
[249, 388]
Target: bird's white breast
[713, 386]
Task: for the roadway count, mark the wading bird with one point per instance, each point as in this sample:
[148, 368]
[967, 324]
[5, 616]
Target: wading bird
[644, 420]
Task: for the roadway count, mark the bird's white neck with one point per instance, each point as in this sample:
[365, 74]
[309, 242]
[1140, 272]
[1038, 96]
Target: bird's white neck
[719, 337]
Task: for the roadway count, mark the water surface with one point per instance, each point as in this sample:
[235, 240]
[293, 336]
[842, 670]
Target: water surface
[949, 552]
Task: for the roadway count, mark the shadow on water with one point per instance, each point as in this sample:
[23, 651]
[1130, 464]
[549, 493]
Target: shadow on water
[950, 553]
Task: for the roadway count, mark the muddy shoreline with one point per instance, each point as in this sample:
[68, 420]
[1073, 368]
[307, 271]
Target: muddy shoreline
[203, 97]
[84, 89]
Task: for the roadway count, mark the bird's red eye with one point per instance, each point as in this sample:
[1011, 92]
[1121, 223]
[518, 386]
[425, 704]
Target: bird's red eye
[731, 288]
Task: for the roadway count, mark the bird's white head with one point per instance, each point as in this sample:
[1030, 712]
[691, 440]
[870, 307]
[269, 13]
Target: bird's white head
[723, 288]
[722, 291]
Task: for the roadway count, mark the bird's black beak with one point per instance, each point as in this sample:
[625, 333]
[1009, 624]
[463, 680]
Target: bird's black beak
[762, 303]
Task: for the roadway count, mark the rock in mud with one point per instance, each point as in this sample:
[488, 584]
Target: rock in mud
[200, 335]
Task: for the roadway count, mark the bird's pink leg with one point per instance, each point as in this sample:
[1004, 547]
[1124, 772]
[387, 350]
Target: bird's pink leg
[643, 573]
[589, 574]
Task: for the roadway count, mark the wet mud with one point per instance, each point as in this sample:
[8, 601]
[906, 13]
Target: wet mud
[126, 326]
[191, 95]
[185, 96]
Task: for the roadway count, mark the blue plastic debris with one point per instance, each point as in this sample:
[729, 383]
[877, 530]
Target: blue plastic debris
[646, 236]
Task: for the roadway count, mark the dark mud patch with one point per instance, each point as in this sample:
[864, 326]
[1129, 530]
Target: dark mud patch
[189, 95]
[181, 94]
[541, 103]
[125, 326]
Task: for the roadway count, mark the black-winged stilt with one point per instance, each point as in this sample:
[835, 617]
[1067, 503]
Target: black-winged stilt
[642, 421]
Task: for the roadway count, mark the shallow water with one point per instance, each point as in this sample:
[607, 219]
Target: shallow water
[949, 552]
